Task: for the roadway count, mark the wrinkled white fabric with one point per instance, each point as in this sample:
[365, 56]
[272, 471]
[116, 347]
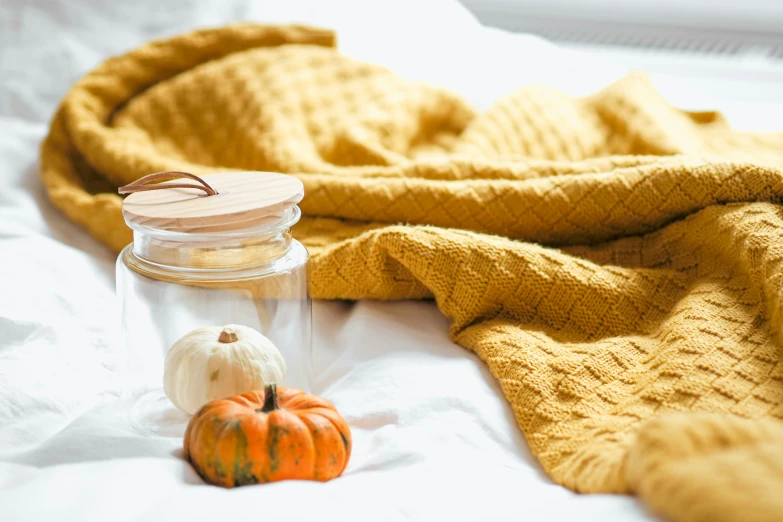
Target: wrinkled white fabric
[434, 438]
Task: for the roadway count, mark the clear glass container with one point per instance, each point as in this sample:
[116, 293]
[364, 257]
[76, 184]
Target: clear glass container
[170, 283]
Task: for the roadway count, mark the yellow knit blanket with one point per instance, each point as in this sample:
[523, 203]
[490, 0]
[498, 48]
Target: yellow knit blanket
[615, 261]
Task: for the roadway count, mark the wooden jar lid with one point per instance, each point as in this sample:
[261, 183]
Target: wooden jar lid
[243, 200]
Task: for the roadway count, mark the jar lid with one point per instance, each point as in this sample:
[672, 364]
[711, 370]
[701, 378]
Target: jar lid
[243, 200]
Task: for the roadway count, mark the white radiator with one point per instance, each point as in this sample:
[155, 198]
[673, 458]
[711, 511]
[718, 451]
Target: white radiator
[731, 49]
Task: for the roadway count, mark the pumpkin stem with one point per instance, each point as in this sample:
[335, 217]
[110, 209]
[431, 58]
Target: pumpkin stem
[228, 336]
[270, 398]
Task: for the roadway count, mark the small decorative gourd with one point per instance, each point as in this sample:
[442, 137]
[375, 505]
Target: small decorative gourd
[215, 362]
[266, 436]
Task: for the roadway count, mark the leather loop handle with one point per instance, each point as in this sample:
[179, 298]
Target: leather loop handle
[143, 184]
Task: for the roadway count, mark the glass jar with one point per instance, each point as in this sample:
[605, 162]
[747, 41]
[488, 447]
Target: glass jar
[174, 279]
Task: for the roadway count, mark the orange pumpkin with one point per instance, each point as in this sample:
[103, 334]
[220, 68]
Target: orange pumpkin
[258, 437]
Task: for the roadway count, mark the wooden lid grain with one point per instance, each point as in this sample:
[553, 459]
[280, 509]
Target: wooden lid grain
[244, 200]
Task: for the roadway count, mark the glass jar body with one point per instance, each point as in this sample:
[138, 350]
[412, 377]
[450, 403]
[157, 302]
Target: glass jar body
[169, 286]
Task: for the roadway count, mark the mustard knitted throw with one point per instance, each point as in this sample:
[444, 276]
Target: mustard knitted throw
[616, 262]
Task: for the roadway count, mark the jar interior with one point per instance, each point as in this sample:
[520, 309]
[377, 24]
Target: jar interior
[216, 251]
[172, 283]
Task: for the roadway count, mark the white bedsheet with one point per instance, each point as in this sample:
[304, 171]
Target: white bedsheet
[434, 438]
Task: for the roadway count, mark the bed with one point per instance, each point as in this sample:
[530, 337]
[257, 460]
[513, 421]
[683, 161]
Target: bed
[434, 438]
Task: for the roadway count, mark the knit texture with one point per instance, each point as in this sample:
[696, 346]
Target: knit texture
[615, 261]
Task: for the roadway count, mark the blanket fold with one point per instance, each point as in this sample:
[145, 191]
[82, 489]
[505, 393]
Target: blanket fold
[614, 260]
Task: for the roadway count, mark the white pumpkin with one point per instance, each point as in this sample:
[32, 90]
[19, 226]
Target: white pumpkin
[217, 362]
